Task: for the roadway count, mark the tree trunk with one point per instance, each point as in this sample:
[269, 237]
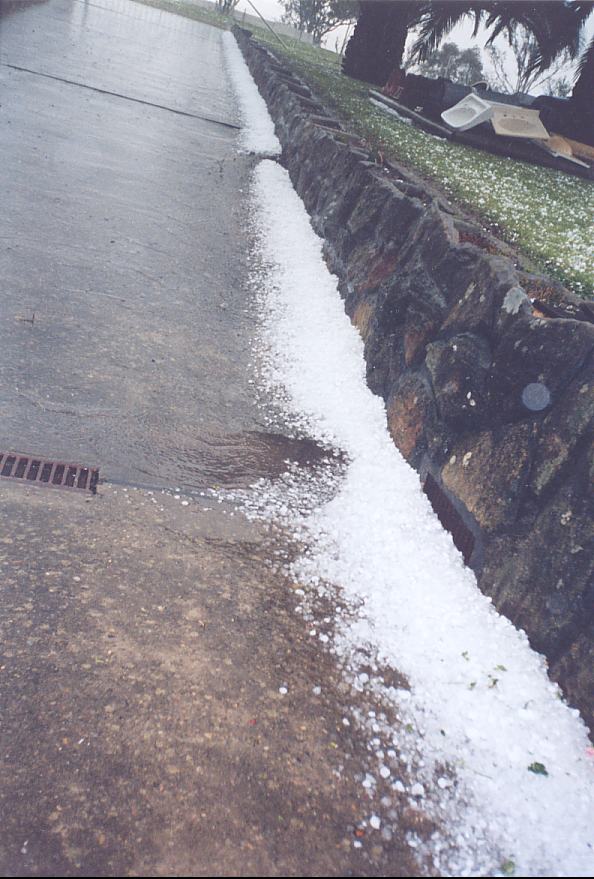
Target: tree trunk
[377, 44]
[582, 99]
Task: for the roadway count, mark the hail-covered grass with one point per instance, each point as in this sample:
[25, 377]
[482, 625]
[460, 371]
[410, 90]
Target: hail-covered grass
[190, 10]
[546, 214]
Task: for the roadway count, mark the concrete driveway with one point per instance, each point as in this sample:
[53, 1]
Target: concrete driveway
[121, 234]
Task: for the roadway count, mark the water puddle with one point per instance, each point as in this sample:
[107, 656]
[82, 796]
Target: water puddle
[238, 460]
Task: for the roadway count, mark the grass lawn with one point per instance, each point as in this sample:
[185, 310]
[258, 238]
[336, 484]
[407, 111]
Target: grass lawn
[189, 10]
[545, 214]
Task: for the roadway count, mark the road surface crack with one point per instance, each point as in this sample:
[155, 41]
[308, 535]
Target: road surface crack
[93, 88]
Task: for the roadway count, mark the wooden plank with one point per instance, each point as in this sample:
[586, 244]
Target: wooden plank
[581, 149]
[423, 122]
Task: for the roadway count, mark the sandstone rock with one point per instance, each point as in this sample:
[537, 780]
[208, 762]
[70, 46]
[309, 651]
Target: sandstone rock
[548, 291]
[362, 317]
[488, 280]
[362, 221]
[392, 305]
[541, 574]
[458, 368]
[399, 219]
[535, 351]
[488, 471]
[454, 271]
[574, 670]
[336, 204]
[384, 356]
[423, 319]
[429, 240]
[512, 303]
[440, 234]
[369, 267]
[569, 423]
[410, 409]
[395, 339]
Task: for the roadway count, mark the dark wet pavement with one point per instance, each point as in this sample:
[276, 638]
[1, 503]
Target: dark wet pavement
[125, 328]
[144, 637]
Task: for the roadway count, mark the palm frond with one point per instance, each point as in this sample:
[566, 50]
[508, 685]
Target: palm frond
[586, 65]
[437, 20]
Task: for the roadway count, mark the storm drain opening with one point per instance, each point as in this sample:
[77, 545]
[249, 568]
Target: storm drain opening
[450, 518]
[32, 470]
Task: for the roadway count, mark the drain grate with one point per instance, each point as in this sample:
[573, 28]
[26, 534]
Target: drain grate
[450, 518]
[53, 474]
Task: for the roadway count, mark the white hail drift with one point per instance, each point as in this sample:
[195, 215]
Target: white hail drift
[480, 697]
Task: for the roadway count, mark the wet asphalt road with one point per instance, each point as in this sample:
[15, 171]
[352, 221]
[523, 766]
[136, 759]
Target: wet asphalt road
[144, 636]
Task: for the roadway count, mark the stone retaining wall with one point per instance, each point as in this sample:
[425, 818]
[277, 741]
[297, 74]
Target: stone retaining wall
[487, 396]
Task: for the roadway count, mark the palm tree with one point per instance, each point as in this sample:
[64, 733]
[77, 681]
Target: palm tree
[582, 97]
[583, 90]
[377, 45]
[555, 25]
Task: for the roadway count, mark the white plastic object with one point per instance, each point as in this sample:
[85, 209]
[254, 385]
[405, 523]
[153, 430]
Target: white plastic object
[506, 119]
[468, 112]
[510, 121]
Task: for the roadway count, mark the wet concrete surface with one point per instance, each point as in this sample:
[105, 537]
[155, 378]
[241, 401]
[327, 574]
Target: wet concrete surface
[125, 331]
[143, 636]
